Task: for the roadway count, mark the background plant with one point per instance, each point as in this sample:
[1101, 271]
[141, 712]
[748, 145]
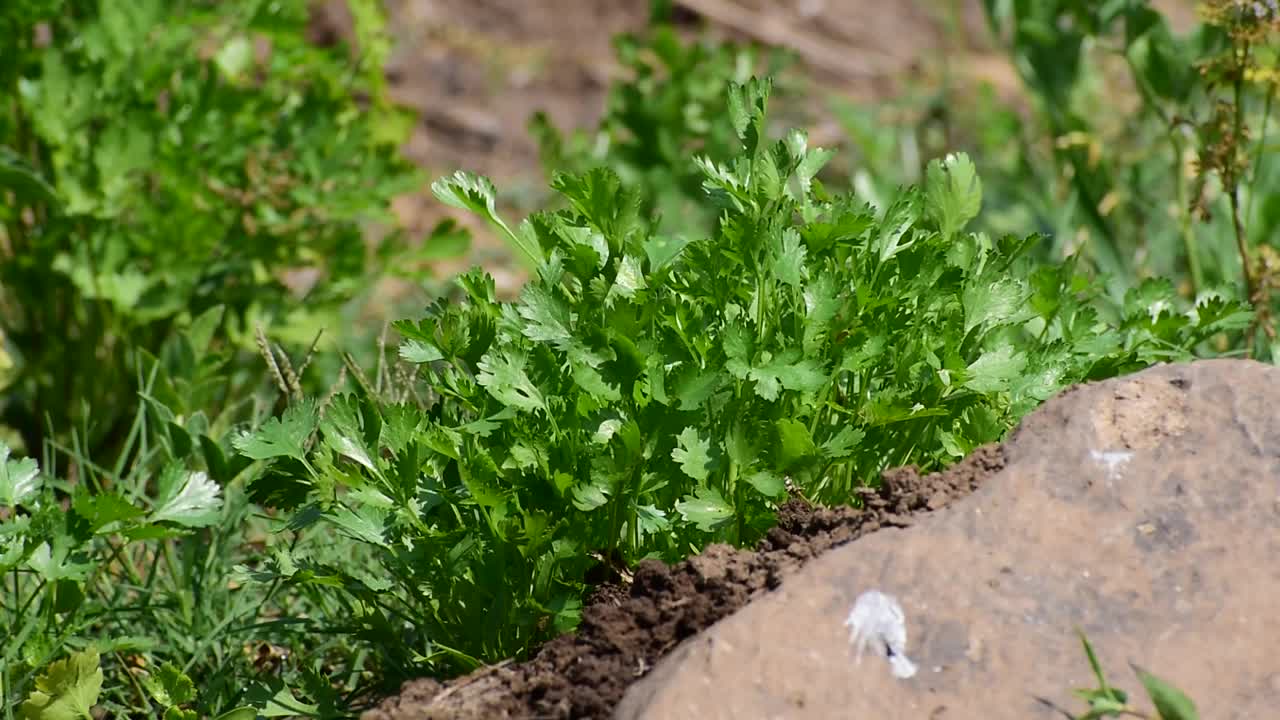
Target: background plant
[1172, 181]
[158, 159]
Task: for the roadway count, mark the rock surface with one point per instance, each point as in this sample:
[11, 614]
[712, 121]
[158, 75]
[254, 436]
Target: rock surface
[1144, 511]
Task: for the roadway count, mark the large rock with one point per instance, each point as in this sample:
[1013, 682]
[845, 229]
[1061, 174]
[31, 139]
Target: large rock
[1144, 511]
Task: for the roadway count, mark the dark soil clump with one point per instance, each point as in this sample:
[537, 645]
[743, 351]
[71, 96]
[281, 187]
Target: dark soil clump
[625, 630]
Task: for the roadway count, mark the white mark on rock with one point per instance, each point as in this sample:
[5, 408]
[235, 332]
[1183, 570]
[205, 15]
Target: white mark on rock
[877, 620]
[1112, 460]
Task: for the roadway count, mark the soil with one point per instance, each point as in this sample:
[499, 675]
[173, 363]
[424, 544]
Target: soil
[627, 629]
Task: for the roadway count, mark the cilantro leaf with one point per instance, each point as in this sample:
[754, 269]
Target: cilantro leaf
[341, 431]
[503, 375]
[706, 509]
[468, 191]
[195, 502]
[953, 192]
[788, 263]
[767, 483]
[547, 318]
[693, 453]
[995, 371]
[988, 303]
[844, 442]
[747, 103]
[280, 437]
[19, 479]
[57, 561]
[793, 443]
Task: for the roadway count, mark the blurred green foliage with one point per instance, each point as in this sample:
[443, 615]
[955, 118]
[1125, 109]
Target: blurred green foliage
[159, 159]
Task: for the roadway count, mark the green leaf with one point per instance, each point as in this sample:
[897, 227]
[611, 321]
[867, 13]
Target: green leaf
[194, 503]
[798, 375]
[468, 191]
[995, 371]
[953, 193]
[366, 523]
[56, 562]
[989, 303]
[844, 443]
[583, 366]
[1149, 300]
[629, 280]
[547, 317]
[417, 351]
[694, 387]
[793, 443]
[738, 446]
[503, 375]
[201, 331]
[786, 370]
[738, 343]
[169, 686]
[1094, 665]
[103, 510]
[19, 479]
[590, 496]
[342, 434]
[280, 437]
[274, 699]
[899, 222]
[66, 690]
[1170, 702]
[821, 305]
[788, 263]
[706, 509]
[1163, 66]
[601, 198]
[747, 105]
[1214, 313]
[480, 474]
[26, 184]
[661, 250]
[768, 484]
[693, 453]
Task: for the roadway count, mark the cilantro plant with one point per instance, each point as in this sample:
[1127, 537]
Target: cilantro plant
[650, 392]
[158, 159]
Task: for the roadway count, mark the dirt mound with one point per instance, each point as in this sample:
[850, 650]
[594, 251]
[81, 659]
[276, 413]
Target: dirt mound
[625, 631]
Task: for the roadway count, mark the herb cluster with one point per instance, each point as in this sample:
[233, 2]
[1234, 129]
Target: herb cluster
[650, 393]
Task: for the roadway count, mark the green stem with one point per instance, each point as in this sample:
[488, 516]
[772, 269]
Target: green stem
[1184, 217]
[1260, 153]
[1233, 191]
